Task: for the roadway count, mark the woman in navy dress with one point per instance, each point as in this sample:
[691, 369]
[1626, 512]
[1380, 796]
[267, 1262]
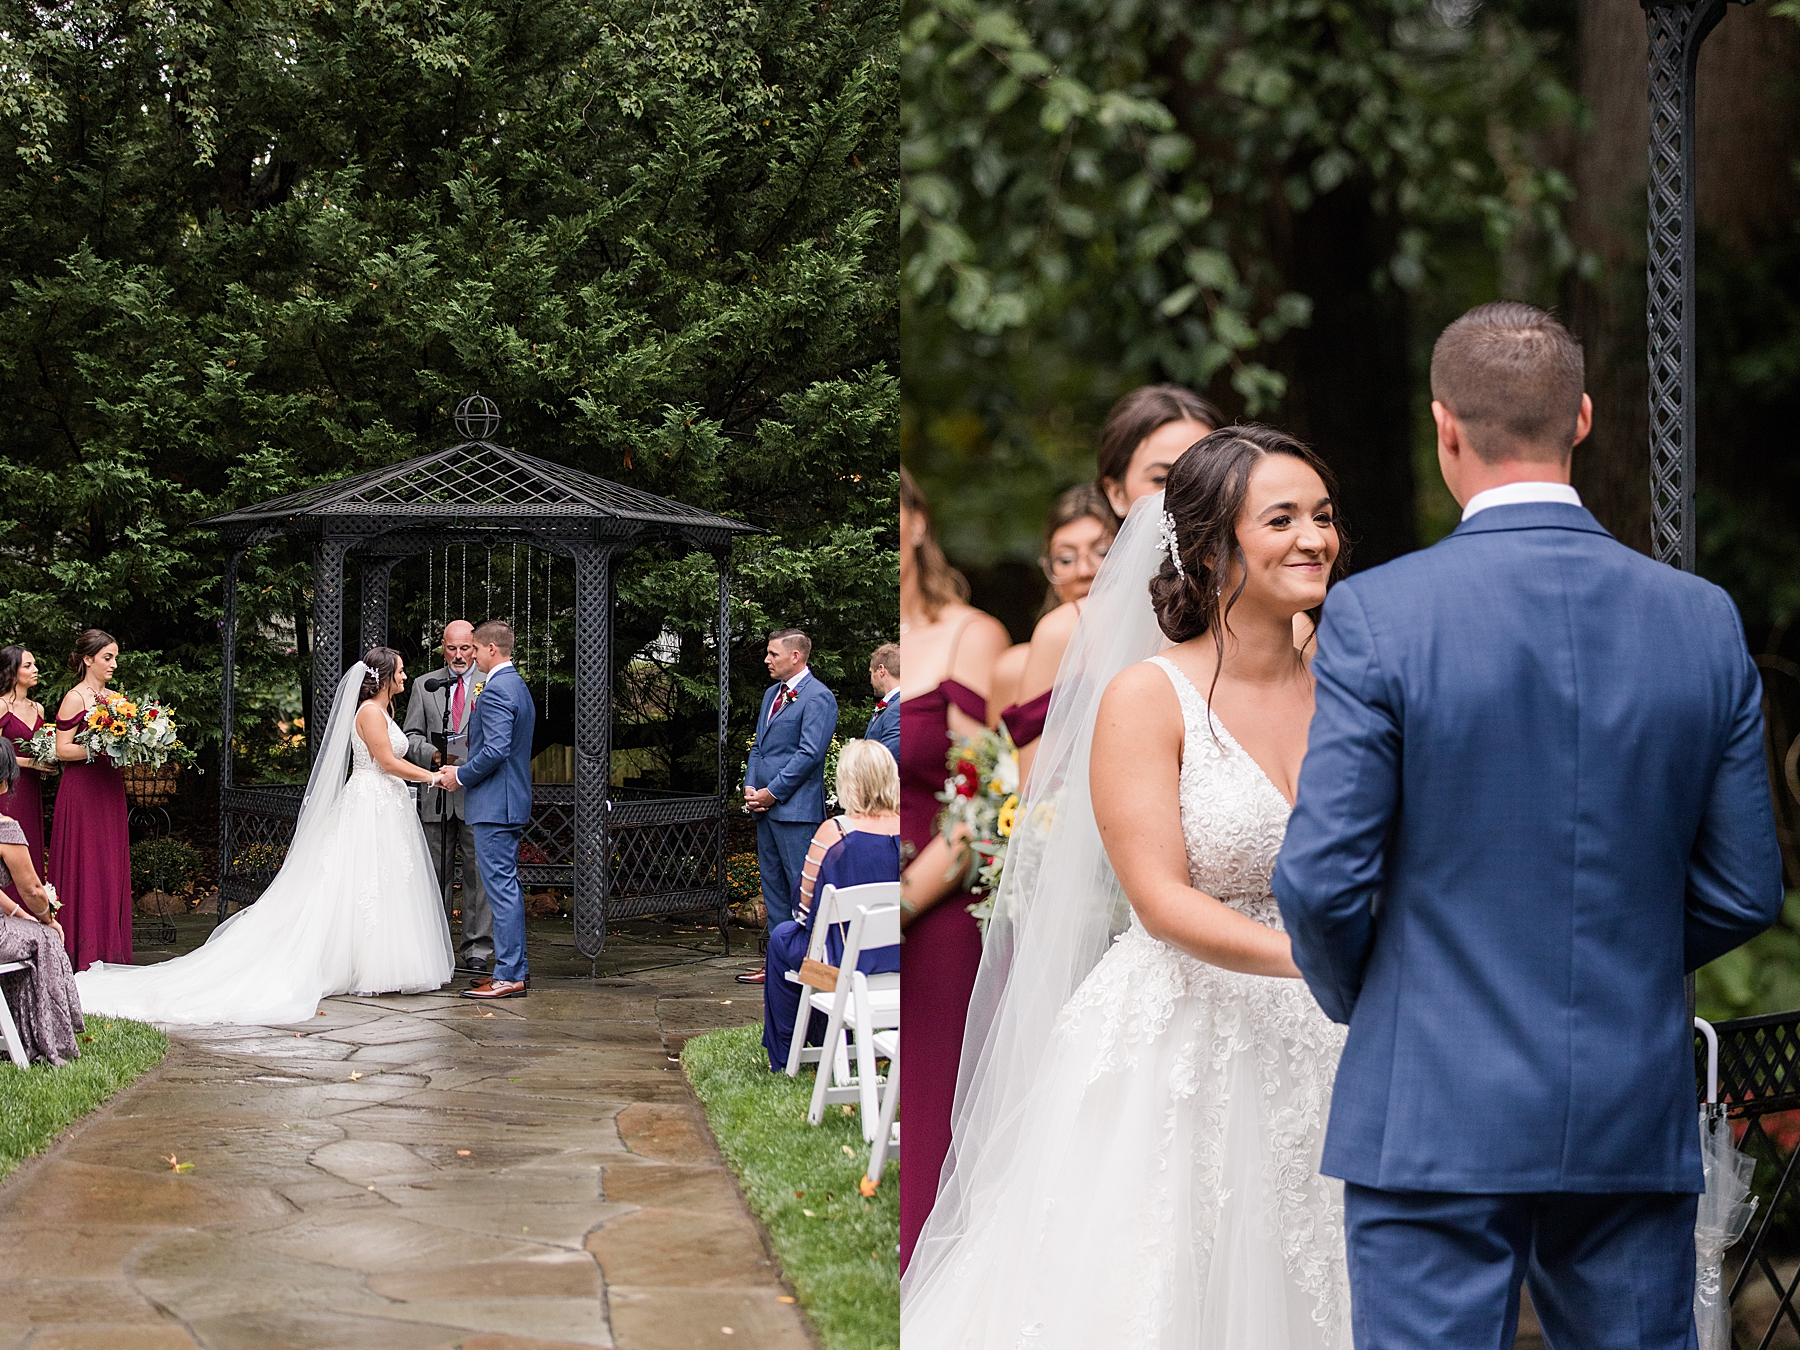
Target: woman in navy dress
[854, 849]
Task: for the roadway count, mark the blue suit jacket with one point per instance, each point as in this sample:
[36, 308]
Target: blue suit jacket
[789, 755]
[884, 726]
[497, 775]
[1534, 795]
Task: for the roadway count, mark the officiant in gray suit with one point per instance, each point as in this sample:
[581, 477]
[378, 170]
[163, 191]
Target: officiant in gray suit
[451, 689]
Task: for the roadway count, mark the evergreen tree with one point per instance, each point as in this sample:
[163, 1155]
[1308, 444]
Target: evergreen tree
[251, 248]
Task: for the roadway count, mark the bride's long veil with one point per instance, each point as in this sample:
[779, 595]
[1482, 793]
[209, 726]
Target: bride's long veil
[1059, 905]
[312, 841]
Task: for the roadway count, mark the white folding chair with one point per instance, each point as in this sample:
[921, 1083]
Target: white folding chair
[833, 907]
[15, 1047]
[863, 1004]
[887, 1129]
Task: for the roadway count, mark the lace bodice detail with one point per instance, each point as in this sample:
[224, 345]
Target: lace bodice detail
[1233, 818]
[361, 761]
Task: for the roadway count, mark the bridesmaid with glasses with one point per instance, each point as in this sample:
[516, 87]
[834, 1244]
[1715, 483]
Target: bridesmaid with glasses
[20, 718]
[1076, 537]
[90, 842]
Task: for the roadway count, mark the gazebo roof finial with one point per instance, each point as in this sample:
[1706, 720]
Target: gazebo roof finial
[477, 417]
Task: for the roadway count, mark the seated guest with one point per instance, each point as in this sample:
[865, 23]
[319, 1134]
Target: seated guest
[884, 677]
[858, 847]
[42, 998]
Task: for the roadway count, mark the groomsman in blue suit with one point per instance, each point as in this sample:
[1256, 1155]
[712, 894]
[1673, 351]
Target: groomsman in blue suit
[785, 786]
[1534, 796]
[884, 675]
[496, 779]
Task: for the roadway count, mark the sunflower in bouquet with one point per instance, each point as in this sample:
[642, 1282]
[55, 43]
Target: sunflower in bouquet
[131, 731]
[981, 806]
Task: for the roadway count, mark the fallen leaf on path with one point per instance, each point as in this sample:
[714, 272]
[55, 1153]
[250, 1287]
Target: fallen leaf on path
[489, 1014]
[848, 1152]
[849, 1110]
[178, 1165]
[785, 1298]
[462, 1152]
[727, 1331]
[809, 1214]
[799, 1195]
[321, 1012]
[354, 1076]
[867, 1187]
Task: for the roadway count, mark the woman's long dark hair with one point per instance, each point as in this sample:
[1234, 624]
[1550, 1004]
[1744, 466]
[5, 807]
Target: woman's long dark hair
[382, 663]
[1205, 496]
[11, 658]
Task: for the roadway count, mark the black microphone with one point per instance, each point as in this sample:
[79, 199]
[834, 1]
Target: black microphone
[438, 682]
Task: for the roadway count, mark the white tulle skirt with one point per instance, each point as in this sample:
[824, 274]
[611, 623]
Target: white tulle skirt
[1164, 1192]
[356, 910]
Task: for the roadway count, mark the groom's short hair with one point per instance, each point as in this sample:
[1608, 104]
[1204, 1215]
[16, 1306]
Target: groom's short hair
[496, 633]
[1513, 376]
[793, 639]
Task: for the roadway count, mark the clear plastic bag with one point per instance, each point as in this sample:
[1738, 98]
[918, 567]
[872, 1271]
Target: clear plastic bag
[1724, 1216]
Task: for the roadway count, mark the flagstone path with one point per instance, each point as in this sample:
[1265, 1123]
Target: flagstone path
[410, 1172]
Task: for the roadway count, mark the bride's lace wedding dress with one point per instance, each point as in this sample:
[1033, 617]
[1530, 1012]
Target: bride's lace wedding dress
[1165, 1192]
[354, 909]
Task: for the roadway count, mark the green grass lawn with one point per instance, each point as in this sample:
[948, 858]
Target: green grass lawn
[38, 1103]
[838, 1249]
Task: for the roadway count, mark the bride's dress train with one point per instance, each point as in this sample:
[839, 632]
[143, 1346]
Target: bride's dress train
[354, 909]
[1164, 1194]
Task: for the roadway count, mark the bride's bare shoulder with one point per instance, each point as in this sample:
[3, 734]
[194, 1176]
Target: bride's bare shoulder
[1140, 697]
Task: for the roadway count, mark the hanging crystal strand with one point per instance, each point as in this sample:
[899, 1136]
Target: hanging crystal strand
[512, 577]
[528, 589]
[430, 581]
[465, 581]
[487, 589]
[549, 612]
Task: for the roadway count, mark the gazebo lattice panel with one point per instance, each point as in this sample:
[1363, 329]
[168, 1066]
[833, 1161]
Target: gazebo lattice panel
[626, 853]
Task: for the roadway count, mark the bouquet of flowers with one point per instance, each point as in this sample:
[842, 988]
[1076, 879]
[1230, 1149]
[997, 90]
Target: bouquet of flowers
[981, 805]
[129, 731]
[41, 748]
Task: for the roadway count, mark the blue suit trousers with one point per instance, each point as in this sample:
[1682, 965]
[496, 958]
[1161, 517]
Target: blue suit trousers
[780, 855]
[497, 856]
[1436, 1271]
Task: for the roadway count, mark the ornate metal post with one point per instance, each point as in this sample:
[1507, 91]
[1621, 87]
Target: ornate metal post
[376, 573]
[1676, 32]
[227, 712]
[723, 558]
[327, 632]
[593, 743]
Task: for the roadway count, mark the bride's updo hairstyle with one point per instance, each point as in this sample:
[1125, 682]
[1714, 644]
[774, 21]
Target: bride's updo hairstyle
[382, 663]
[1205, 496]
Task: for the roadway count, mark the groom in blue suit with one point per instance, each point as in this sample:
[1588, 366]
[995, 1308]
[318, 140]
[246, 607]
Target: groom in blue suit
[785, 785]
[1534, 796]
[497, 799]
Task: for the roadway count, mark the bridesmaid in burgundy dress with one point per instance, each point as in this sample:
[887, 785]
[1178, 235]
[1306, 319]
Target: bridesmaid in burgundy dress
[90, 846]
[1145, 433]
[20, 717]
[1076, 538]
[948, 651]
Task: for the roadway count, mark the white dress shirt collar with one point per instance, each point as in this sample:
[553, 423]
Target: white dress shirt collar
[793, 682]
[498, 667]
[1515, 494]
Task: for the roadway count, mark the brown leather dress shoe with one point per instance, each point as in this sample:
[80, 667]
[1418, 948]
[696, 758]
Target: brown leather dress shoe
[497, 989]
[483, 980]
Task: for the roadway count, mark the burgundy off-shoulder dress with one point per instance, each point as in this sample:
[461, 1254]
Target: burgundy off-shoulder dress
[90, 860]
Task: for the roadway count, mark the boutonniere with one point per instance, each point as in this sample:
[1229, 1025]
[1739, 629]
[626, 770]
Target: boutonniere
[475, 693]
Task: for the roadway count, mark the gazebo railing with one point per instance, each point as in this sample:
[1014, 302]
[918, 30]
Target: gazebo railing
[1759, 1078]
[665, 850]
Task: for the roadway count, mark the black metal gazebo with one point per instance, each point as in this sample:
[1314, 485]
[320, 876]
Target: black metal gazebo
[627, 852]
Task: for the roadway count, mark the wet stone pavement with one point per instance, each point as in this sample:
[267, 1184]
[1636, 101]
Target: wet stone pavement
[413, 1171]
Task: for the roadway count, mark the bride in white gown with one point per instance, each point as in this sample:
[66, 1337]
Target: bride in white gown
[1145, 1085]
[354, 909]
